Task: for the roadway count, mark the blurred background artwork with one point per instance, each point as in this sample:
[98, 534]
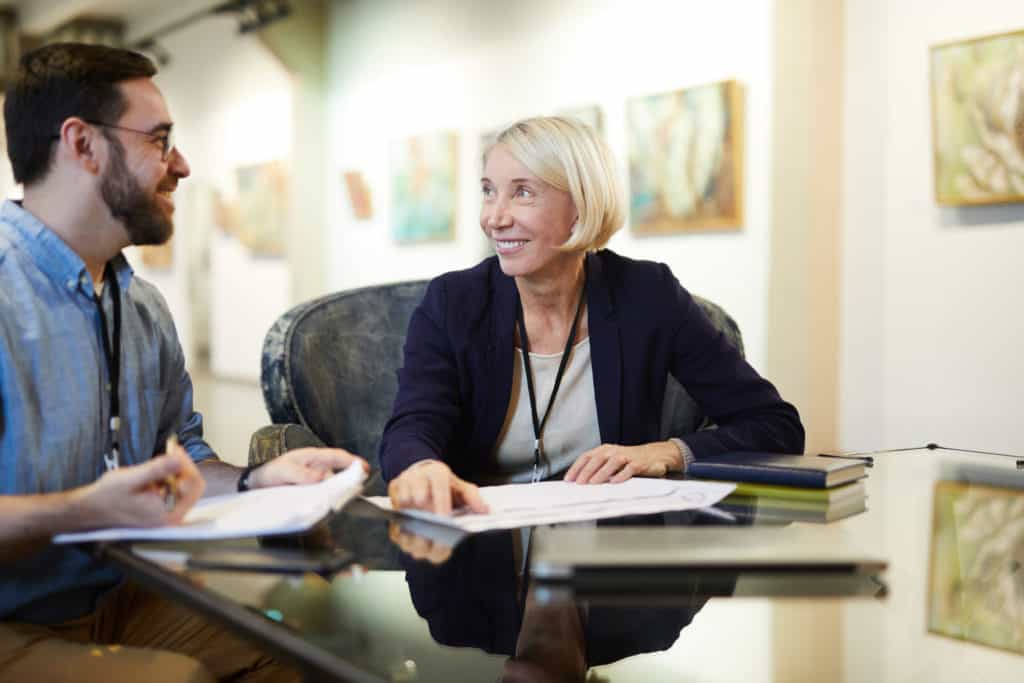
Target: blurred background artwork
[258, 215]
[589, 115]
[158, 256]
[359, 198]
[685, 160]
[423, 188]
[978, 120]
[977, 565]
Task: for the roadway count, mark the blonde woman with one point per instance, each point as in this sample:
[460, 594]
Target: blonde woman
[550, 359]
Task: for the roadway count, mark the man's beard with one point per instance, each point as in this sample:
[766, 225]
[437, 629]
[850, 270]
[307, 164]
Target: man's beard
[138, 210]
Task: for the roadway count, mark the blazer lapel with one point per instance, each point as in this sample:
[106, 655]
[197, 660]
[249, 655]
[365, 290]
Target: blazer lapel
[605, 351]
[500, 346]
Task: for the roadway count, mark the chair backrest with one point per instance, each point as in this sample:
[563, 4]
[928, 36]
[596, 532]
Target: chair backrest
[330, 365]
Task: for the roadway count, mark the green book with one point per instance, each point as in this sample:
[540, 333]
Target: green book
[831, 495]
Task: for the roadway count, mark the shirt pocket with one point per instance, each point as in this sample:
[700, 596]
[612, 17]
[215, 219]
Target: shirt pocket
[145, 423]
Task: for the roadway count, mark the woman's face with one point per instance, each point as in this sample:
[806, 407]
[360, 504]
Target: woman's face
[525, 219]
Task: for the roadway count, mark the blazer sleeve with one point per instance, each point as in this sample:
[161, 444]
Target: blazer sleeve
[427, 408]
[747, 409]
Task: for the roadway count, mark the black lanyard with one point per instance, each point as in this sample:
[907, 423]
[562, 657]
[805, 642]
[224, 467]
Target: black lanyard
[538, 425]
[112, 350]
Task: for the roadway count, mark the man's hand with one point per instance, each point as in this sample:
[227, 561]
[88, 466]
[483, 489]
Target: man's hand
[613, 464]
[135, 495]
[303, 466]
[432, 486]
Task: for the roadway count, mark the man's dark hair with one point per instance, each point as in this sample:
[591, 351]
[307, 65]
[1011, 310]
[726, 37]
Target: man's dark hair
[59, 81]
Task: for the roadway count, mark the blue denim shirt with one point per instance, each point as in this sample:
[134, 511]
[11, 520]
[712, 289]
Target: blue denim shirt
[54, 406]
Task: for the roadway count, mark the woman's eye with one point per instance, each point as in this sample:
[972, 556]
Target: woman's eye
[524, 192]
[487, 191]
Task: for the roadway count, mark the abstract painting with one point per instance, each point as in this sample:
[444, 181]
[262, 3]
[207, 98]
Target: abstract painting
[258, 216]
[423, 188]
[977, 565]
[686, 160]
[158, 256]
[589, 115]
[978, 120]
[358, 195]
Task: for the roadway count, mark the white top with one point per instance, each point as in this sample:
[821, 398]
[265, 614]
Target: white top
[571, 429]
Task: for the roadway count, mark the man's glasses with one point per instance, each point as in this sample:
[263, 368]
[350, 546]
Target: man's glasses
[165, 137]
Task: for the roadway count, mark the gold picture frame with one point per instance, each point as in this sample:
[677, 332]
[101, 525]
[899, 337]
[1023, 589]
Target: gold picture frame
[686, 160]
[976, 565]
[977, 100]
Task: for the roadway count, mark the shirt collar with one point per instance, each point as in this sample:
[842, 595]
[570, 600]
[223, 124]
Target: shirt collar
[53, 256]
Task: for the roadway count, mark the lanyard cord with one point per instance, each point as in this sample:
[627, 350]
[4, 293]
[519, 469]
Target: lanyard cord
[538, 424]
[112, 351]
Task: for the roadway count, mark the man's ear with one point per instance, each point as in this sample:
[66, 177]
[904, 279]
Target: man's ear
[80, 144]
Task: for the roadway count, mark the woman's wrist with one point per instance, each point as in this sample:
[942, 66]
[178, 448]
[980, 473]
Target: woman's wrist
[682, 455]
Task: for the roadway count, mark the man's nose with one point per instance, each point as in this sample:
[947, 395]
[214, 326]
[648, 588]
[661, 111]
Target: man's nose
[178, 166]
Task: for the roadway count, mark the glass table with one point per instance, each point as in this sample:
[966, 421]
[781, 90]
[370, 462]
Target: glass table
[423, 604]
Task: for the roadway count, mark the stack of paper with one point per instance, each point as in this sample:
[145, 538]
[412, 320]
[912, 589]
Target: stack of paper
[551, 502]
[264, 512]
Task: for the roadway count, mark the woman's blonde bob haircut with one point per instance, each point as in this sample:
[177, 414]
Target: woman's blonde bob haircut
[569, 156]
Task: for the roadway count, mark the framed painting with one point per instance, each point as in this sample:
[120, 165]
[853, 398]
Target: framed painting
[359, 198]
[978, 120]
[158, 256]
[423, 188]
[976, 590]
[686, 160]
[591, 116]
[258, 216]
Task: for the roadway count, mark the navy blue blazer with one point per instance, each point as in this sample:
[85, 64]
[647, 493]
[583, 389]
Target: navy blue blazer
[456, 382]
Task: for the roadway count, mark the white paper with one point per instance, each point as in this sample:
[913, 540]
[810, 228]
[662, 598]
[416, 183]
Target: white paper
[552, 502]
[264, 512]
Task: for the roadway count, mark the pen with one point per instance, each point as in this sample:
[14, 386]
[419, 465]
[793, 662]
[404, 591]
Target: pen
[169, 485]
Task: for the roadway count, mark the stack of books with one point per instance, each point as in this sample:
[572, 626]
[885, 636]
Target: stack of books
[777, 489]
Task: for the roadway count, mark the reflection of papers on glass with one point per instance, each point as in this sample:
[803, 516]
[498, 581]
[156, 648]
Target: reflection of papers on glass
[552, 502]
[264, 512]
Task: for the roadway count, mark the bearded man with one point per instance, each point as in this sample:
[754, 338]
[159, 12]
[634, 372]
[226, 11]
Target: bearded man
[93, 382]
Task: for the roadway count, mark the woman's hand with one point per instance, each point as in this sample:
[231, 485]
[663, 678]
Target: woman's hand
[432, 486]
[418, 547]
[612, 463]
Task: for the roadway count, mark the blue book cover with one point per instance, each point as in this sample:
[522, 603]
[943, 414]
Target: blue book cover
[809, 471]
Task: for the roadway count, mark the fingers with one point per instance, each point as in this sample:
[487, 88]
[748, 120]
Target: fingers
[627, 472]
[418, 547]
[603, 464]
[612, 466]
[431, 486]
[326, 459]
[440, 492]
[577, 465]
[423, 487]
[469, 495]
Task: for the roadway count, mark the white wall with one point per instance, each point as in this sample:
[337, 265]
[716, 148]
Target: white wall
[397, 69]
[932, 333]
[232, 105]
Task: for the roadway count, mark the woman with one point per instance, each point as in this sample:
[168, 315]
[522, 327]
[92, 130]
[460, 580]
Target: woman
[551, 358]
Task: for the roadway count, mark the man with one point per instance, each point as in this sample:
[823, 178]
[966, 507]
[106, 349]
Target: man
[93, 382]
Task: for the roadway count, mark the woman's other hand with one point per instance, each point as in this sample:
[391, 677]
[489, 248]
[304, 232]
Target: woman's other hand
[611, 463]
[431, 485]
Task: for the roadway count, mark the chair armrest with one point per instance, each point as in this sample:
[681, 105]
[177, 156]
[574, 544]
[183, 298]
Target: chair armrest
[271, 441]
[268, 443]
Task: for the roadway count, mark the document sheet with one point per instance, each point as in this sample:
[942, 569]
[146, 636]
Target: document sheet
[552, 502]
[263, 512]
